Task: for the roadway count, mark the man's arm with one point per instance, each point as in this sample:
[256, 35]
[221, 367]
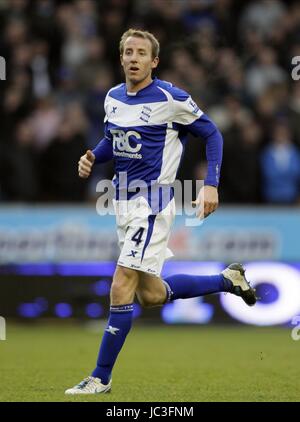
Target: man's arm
[208, 131]
[189, 115]
[208, 196]
[101, 154]
[103, 151]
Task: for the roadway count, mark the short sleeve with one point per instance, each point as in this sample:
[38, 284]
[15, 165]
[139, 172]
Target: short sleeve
[186, 111]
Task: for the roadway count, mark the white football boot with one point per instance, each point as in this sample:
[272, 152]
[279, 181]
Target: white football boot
[235, 273]
[90, 385]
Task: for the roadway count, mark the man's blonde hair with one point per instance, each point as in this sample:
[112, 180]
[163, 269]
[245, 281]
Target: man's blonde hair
[140, 34]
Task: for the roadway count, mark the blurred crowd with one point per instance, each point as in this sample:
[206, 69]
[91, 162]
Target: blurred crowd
[234, 57]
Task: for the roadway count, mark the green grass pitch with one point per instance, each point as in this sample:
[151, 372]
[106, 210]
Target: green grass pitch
[162, 363]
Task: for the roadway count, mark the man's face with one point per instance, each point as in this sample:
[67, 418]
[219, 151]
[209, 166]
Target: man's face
[137, 59]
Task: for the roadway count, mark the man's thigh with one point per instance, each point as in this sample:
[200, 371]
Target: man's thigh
[144, 240]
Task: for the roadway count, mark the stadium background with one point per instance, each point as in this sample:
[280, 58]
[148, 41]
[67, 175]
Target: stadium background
[57, 254]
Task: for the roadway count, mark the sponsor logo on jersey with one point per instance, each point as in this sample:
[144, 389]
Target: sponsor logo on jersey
[126, 144]
[194, 106]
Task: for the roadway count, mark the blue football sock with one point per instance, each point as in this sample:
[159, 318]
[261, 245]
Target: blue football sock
[184, 286]
[119, 324]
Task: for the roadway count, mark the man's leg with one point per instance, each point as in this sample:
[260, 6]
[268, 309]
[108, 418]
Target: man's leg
[124, 285]
[153, 291]
[123, 289]
[185, 286]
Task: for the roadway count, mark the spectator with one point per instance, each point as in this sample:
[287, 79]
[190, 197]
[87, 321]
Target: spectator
[280, 165]
[234, 57]
[264, 73]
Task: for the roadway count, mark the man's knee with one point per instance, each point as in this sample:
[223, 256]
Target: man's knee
[151, 291]
[150, 299]
[124, 285]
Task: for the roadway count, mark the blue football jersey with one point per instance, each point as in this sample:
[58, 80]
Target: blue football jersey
[148, 130]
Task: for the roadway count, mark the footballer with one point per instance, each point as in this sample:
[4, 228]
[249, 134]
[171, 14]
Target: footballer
[146, 126]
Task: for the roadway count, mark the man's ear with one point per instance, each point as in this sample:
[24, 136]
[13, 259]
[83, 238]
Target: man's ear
[155, 62]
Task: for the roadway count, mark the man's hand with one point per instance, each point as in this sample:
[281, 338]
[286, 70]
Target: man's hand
[85, 164]
[208, 200]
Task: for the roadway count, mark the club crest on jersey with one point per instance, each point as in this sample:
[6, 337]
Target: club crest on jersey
[126, 144]
[145, 114]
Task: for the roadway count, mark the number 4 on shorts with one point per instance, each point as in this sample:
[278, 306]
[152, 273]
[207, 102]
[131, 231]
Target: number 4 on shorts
[137, 237]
